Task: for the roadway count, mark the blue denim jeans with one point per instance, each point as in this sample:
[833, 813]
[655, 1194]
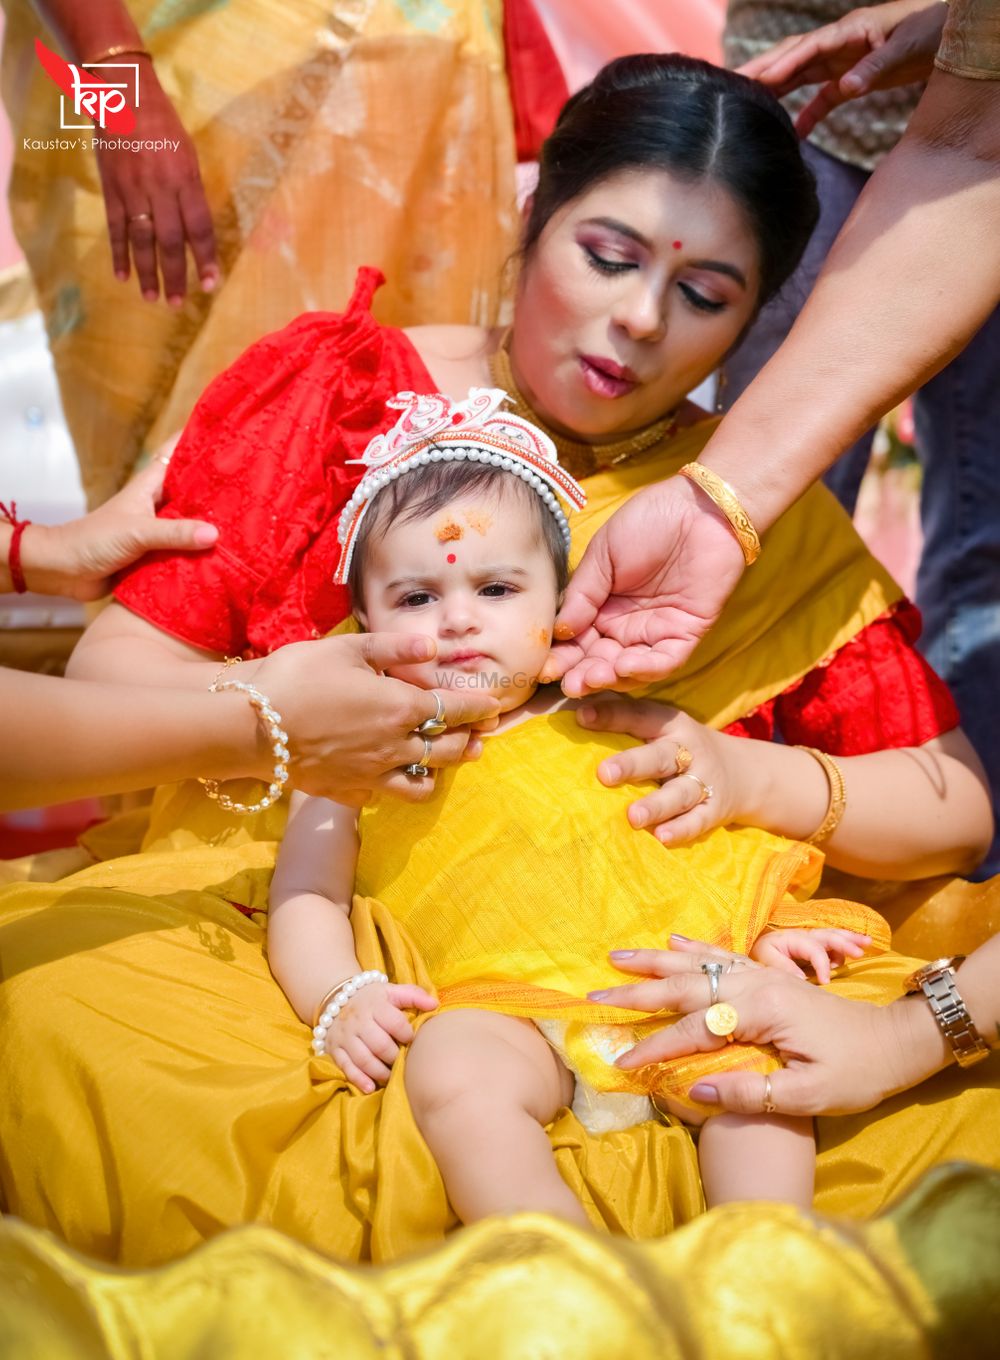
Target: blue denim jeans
[957, 417]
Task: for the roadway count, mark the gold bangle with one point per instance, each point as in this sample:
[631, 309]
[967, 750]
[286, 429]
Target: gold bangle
[728, 502]
[838, 796]
[328, 998]
[121, 50]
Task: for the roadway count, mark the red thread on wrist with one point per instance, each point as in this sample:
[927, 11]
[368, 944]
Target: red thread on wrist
[14, 551]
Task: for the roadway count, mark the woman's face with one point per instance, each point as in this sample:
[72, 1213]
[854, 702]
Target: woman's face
[632, 295]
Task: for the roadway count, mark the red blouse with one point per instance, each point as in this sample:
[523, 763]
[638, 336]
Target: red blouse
[266, 456]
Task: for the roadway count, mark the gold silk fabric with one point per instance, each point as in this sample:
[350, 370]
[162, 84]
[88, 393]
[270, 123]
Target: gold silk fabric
[970, 43]
[329, 133]
[516, 876]
[744, 1282]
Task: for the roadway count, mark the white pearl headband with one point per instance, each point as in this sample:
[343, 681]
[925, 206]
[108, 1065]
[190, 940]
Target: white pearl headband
[433, 429]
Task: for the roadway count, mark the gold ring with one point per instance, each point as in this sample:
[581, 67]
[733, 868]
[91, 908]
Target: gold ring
[721, 1019]
[706, 789]
[769, 1105]
[684, 759]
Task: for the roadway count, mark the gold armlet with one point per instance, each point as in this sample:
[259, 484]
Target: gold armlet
[838, 796]
[728, 502]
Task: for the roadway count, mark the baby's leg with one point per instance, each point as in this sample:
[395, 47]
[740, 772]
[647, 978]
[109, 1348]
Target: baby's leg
[482, 1087]
[757, 1157]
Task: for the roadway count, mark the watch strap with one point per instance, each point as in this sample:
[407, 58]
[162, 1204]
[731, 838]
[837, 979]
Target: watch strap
[954, 1020]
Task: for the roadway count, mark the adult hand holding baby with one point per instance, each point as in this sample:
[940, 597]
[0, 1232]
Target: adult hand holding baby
[699, 769]
[352, 730]
[651, 583]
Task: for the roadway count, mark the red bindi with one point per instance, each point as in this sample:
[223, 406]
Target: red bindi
[678, 244]
[450, 558]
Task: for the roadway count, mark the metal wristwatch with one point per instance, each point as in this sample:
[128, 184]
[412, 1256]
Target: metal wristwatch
[937, 982]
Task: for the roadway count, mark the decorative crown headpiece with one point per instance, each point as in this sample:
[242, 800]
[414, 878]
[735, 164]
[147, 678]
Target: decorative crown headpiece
[434, 429]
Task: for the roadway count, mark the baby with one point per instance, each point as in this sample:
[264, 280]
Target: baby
[516, 877]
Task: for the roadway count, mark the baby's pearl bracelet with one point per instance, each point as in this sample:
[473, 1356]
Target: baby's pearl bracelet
[272, 725]
[338, 1003]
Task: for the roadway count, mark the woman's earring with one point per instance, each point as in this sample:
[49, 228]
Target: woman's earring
[720, 390]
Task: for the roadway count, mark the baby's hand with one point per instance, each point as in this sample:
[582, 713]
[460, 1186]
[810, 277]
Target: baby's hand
[778, 949]
[364, 1038]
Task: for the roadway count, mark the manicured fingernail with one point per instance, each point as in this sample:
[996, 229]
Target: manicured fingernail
[473, 749]
[208, 282]
[176, 301]
[684, 939]
[150, 295]
[586, 714]
[596, 996]
[638, 816]
[205, 535]
[708, 1095]
[121, 276]
[623, 954]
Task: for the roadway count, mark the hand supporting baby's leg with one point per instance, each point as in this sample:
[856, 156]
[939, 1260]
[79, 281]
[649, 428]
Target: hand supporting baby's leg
[757, 1157]
[482, 1087]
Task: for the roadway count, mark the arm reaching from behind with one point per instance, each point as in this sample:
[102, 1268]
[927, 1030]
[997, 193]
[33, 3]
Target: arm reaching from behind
[874, 48]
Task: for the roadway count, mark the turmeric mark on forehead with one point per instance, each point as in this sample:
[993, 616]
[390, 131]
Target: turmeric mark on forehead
[448, 531]
[479, 520]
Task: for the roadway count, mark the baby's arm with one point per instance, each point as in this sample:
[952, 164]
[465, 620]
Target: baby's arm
[770, 1157]
[311, 943]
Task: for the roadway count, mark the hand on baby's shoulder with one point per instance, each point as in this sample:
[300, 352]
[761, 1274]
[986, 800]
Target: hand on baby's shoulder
[365, 1038]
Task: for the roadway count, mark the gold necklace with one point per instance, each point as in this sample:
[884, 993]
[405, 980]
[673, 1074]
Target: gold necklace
[579, 460]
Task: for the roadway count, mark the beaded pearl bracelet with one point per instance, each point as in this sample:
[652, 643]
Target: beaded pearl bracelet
[278, 737]
[340, 1000]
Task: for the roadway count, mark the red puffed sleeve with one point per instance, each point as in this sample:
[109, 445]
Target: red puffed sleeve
[876, 693]
[265, 457]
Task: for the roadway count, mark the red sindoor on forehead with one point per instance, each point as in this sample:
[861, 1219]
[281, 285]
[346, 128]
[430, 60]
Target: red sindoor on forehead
[451, 558]
[678, 244]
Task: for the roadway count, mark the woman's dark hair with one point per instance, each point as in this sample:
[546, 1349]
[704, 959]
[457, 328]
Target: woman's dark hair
[429, 489]
[698, 121]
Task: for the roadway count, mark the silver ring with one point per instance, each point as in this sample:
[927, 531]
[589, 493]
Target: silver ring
[140, 217]
[713, 971]
[706, 789]
[769, 1105]
[420, 768]
[433, 727]
[737, 962]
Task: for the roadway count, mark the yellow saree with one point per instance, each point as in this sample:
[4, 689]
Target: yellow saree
[330, 133]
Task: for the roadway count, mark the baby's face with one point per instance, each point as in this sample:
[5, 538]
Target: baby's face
[477, 577]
